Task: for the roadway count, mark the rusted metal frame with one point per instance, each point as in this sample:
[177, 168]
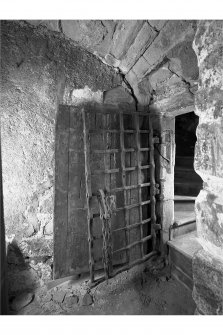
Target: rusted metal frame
[133, 205]
[144, 149]
[134, 263]
[119, 189]
[143, 167]
[118, 111]
[116, 131]
[109, 171]
[139, 179]
[106, 171]
[88, 195]
[152, 186]
[106, 222]
[123, 173]
[126, 267]
[132, 226]
[129, 246]
[112, 151]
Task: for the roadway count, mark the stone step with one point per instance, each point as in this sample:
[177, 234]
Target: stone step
[181, 251]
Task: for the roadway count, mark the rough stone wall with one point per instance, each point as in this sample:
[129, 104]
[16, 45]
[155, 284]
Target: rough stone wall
[144, 51]
[39, 70]
[207, 267]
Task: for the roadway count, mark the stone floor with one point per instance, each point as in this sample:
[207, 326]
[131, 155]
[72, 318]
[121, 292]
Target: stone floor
[143, 290]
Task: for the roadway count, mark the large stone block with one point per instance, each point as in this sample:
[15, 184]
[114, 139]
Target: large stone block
[173, 33]
[209, 149]
[144, 38]
[183, 61]
[209, 218]
[118, 95]
[124, 36]
[89, 33]
[141, 67]
[50, 24]
[157, 24]
[208, 283]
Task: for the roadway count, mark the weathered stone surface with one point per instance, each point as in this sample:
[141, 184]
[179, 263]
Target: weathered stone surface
[140, 68]
[50, 24]
[118, 95]
[124, 36]
[31, 87]
[172, 105]
[144, 38]
[183, 61]
[207, 264]
[112, 61]
[87, 300]
[143, 91]
[89, 33]
[21, 301]
[70, 301]
[209, 149]
[132, 78]
[208, 283]
[174, 32]
[159, 77]
[59, 296]
[209, 217]
[157, 24]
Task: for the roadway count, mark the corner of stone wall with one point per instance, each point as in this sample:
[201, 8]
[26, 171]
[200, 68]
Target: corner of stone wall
[208, 262]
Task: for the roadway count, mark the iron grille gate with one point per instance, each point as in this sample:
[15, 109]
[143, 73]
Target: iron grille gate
[124, 160]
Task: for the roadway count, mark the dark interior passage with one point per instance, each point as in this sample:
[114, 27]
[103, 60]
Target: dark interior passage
[186, 181]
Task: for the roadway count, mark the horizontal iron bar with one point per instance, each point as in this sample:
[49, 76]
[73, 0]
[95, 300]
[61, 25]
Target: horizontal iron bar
[133, 205]
[115, 111]
[144, 167]
[136, 262]
[100, 171]
[112, 151]
[116, 131]
[132, 226]
[132, 168]
[125, 268]
[143, 240]
[119, 189]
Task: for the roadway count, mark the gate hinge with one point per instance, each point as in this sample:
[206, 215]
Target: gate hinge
[156, 139]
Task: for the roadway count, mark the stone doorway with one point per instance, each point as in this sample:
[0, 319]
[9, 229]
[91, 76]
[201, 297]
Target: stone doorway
[187, 183]
[183, 241]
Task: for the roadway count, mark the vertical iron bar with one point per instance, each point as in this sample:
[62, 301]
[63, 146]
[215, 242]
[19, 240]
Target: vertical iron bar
[152, 185]
[88, 195]
[107, 222]
[139, 180]
[122, 145]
